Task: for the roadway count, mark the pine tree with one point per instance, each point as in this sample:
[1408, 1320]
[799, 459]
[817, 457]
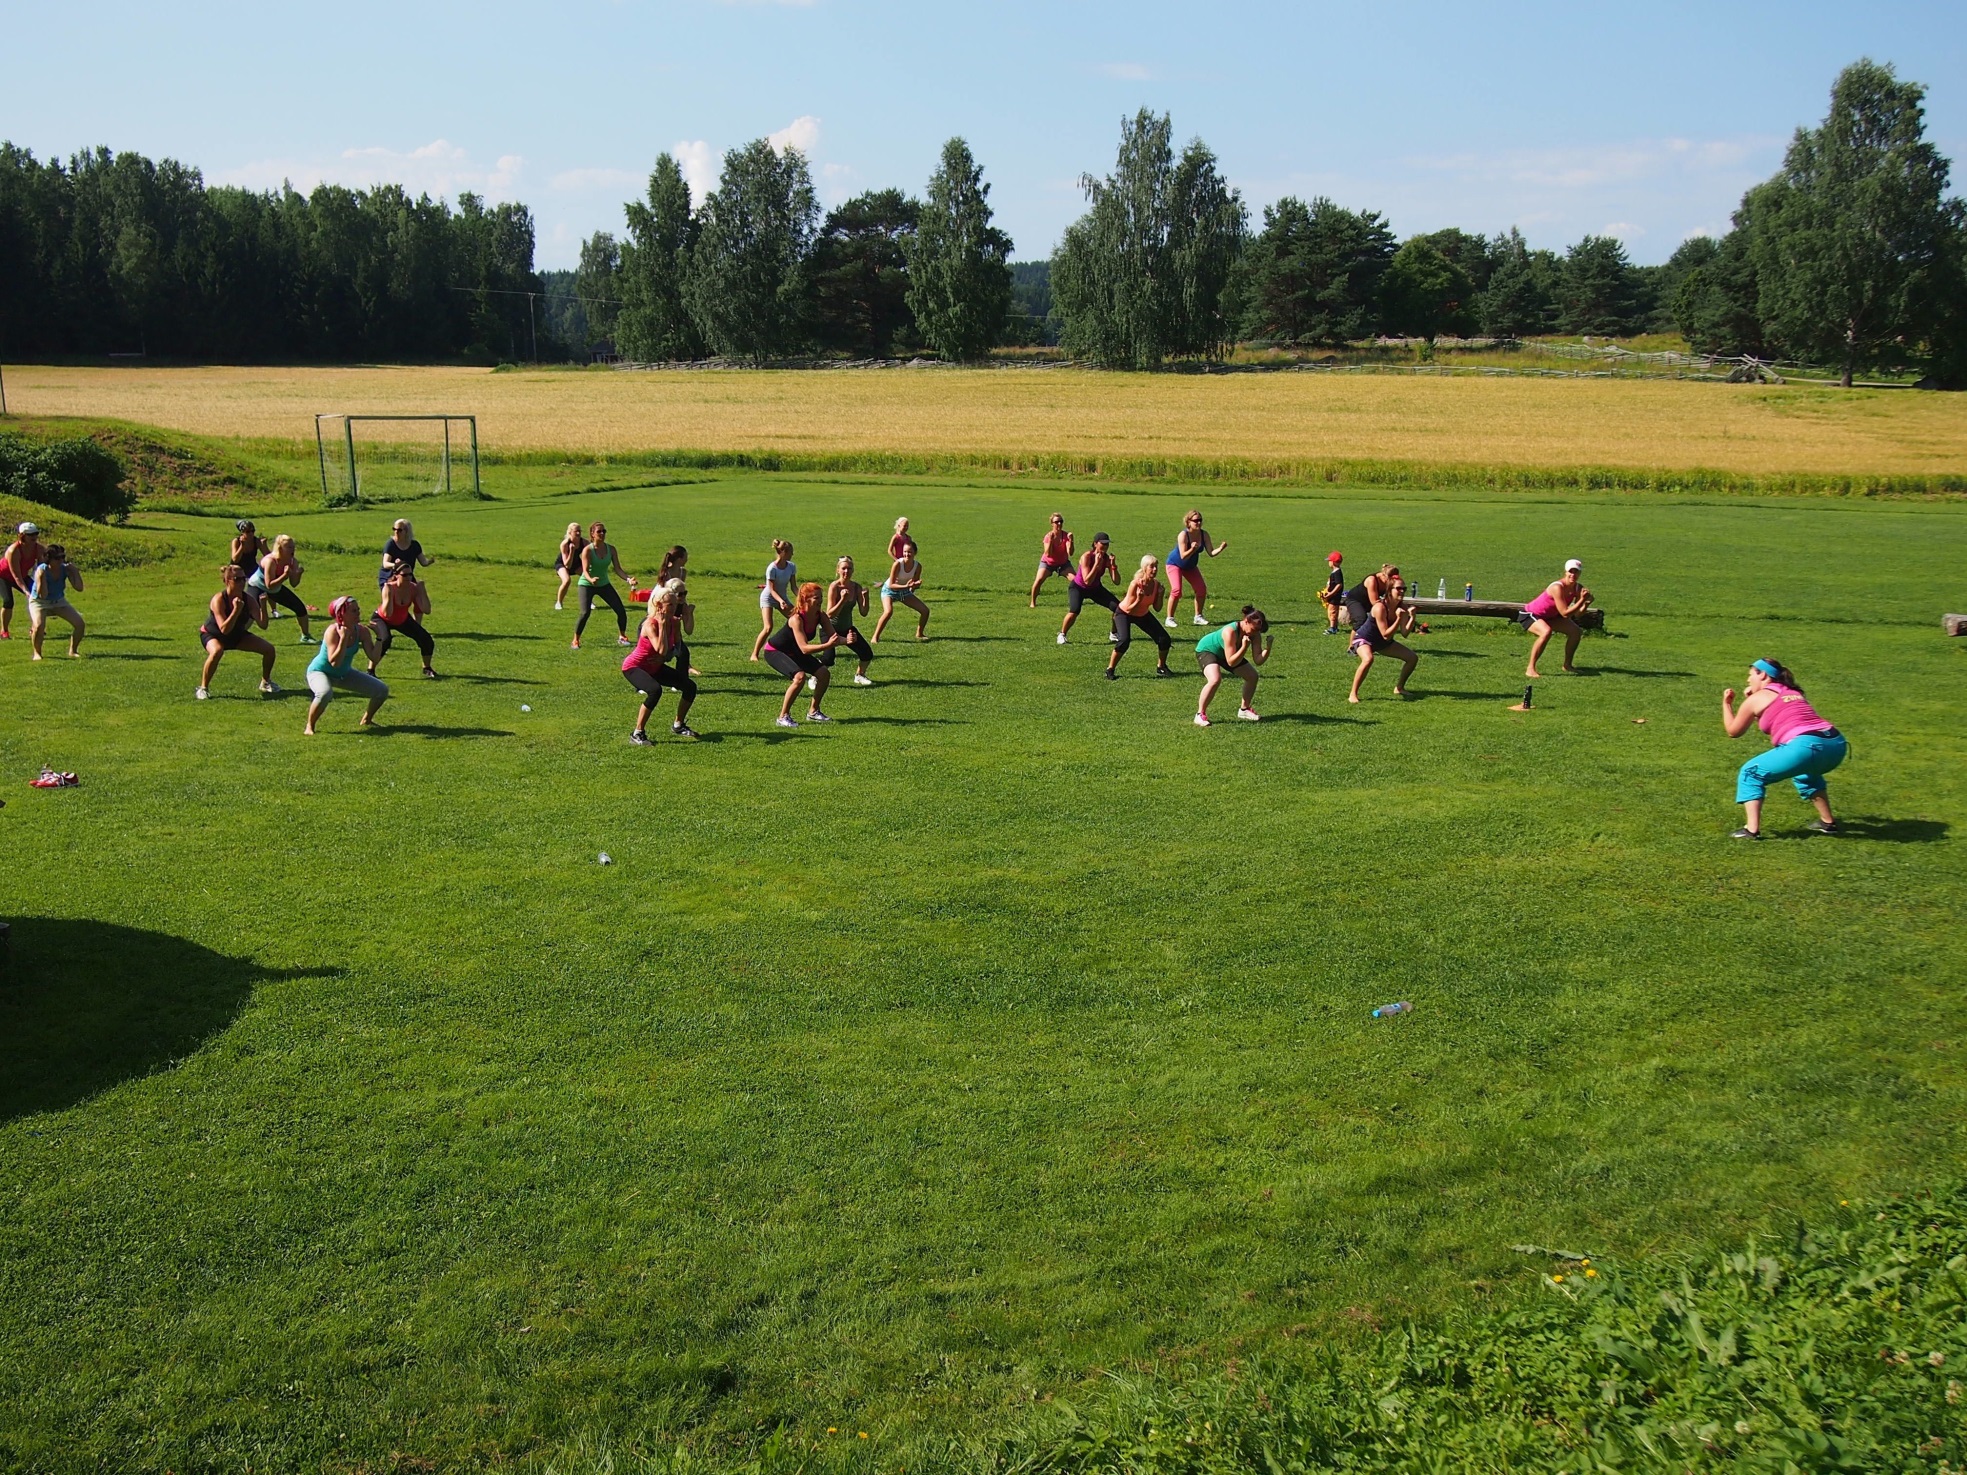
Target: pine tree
[1313, 273]
[1521, 296]
[959, 279]
[1423, 294]
[652, 324]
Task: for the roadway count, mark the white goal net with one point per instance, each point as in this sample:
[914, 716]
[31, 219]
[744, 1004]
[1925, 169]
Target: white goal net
[394, 458]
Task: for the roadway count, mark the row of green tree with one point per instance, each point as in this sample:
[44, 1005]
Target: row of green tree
[111, 253]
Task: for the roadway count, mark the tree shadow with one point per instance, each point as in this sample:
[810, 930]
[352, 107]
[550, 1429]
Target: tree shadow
[147, 639]
[480, 635]
[85, 1006]
[1318, 719]
[907, 639]
[491, 680]
[779, 736]
[906, 721]
[1629, 671]
[1895, 831]
[429, 730]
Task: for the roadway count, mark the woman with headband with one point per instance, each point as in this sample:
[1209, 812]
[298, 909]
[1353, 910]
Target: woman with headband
[333, 665]
[1805, 746]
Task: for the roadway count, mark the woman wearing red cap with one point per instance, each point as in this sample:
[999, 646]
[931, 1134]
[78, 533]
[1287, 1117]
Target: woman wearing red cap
[334, 664]
[1332, 596]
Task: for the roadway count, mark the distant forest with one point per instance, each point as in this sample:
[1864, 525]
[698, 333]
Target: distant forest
[1853, 255]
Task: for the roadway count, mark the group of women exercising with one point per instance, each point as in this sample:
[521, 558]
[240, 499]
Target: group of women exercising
[804, 626]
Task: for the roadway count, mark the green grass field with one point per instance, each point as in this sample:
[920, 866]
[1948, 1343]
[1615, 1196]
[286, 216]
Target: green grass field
[901, 1075]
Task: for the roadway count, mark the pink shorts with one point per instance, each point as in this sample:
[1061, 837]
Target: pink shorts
[1176, 573]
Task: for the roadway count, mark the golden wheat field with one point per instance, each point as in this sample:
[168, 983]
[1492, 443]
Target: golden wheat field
[1294, 416]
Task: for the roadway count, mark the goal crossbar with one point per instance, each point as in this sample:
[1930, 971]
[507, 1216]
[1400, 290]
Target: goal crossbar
[344, 431]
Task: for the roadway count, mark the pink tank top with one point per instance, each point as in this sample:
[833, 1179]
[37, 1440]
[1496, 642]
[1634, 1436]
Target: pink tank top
[1789, 716]
[644, 658]
[1542, 607]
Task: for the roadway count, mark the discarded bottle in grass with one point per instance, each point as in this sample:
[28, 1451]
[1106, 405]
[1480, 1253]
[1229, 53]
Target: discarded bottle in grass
[1442, 592]
[1387, 1011]
[1468, 591]
[607, 859]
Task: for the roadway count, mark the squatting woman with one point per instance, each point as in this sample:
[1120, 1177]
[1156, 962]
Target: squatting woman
[333, 666]
[1804, 746]
[795, 649]
[658, 660]
[1239, 647]
[229, 621]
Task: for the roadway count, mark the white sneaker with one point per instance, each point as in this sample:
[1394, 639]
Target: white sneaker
[1248, 715]
[1061, 639]
[785, 722]
[269, 688]
[1112, 639]
[818, 717]
[202, 694]
[1198, 620]
[1200, 720]
[812, 683]
[559, 606]
[860, 680]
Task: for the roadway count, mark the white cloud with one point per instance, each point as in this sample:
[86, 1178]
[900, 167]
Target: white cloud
[1615, 163]
[789, 4]
[698, 161]
[802, 133]
[1126, 71]
[439, 168]
[1625, 230]
[585, 179]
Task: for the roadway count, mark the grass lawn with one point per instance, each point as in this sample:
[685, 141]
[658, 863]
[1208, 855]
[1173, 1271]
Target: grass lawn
[898, 1074]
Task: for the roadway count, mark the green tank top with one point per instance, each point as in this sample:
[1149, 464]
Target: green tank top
[1212, 643]
[602, 564]
[335, 668]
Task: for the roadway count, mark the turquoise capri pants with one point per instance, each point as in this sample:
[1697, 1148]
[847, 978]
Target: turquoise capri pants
[1804, 760]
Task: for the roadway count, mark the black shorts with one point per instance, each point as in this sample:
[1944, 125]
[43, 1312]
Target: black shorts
[1369, 635]
[791, 663]
[1206, 659]
[208, 631]
[1077, 594]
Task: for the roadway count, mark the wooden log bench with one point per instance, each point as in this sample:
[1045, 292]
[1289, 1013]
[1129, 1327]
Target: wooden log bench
[1500, 609]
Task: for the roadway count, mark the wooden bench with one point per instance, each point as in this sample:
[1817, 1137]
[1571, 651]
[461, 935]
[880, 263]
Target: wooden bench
[1500, 609]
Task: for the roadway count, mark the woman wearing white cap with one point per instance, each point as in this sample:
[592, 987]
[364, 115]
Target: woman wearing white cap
[1558, 608]
[17, 573]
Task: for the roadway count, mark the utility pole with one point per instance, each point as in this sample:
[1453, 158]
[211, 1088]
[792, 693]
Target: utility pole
[531, 329]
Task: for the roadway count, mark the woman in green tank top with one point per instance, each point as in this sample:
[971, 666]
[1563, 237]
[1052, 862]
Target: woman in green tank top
[1240, 646]
[333, 665]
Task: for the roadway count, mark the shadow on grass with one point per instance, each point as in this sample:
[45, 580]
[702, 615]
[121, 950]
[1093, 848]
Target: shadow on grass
[1629, 671]
[911, 681]
[147, 639]
[429, 730]
[907, 639]
[480, 635]
[780, 735]
[905, 721]
[1459, 655]
[491, 680]
[1896, 831]
[1457, 696]
[88, 1005]
[133, 656]
[1318, 719]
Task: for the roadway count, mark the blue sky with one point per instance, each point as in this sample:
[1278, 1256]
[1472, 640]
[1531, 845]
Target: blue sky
[1646, 122]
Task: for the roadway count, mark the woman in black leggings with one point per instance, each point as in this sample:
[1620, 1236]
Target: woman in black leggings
[274, 579]
[599, 562]
[658, 660]
[402, 601]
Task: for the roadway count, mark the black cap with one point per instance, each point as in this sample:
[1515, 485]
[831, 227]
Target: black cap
[1101, 538]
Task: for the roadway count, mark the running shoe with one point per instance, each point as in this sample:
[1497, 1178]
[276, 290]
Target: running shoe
[818, 717]
[202, 694]
[1197, 620]
[785, 722]
[6, 635]
[1163, 671]
[1200, 720]
[1333, 631]
[860, 680]
[1822, 827]
[1112, 639]
[309, 640]
[428, 674]
[812, 683]
[640, 739]
[683, 730]
[559, 607]
[1248, 715]
[269, 688]
[1061, 638]
[1111, 674]
[623, 640]
[574, 644]
[1745, 834]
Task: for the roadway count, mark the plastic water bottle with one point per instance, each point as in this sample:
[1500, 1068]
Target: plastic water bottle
[1387, 1011]
[1442, 592]
[1468, 591]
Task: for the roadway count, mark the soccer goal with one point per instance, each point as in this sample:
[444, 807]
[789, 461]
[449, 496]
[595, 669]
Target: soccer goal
[392, 458]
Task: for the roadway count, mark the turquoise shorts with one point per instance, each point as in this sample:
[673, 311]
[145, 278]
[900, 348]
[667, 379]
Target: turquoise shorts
[1804, 761]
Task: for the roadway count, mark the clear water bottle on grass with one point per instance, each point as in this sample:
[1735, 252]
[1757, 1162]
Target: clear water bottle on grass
[1387, 1011]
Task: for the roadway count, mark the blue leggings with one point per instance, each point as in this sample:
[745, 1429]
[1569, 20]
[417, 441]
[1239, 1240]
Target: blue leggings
[1805, 760]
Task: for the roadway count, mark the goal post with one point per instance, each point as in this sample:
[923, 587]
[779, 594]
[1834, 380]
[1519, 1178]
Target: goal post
[392, 458]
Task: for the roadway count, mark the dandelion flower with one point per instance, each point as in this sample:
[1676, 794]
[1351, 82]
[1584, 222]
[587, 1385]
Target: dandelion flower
[863, 1433]
[1591, 1274]
[1557, 1280]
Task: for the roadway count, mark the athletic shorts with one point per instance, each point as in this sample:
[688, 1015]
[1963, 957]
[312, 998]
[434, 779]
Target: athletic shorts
[1369, 636]
[791, 663]
[361, 683]
[1205, 660]
[36, 610]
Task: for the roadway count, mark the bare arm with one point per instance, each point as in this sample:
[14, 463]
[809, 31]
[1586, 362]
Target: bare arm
[75, 577]
[1737, 720]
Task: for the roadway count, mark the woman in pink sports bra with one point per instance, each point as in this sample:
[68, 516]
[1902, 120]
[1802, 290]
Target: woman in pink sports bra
[1558, 608]
[1054, 555]
[1805, 746]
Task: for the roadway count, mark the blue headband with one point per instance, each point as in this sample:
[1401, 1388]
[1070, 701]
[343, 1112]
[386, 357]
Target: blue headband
[1769, 669]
